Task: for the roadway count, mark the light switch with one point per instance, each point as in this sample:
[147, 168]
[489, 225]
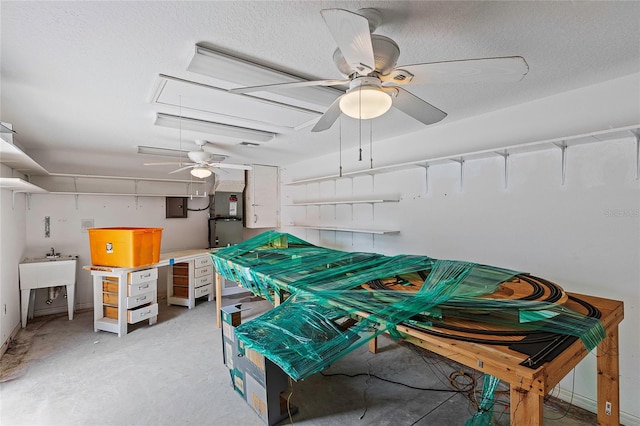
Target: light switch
[86, 224]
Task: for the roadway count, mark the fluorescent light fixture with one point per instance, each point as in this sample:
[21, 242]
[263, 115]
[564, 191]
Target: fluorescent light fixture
[201, 172]
[225, 67]
[165, 152]
[213, 128]
[365, 99]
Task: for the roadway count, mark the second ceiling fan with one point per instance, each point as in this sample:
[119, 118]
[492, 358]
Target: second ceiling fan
[203, 163]
[368, 61]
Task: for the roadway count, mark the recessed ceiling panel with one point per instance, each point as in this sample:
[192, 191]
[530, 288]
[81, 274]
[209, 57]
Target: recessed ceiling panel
[215, 104]
[241, 72]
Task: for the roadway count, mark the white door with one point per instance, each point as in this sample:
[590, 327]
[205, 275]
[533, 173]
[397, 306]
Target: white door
[262, 197]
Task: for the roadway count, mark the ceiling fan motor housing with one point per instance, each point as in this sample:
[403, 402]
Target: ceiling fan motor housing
[385, 54]
[199, 156]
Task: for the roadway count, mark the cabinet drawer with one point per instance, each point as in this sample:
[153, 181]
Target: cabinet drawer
[110, 299]
[179, 280]
[141, 314]
[140, 299]
[203, 291]
[181, 268]
[202, 261]
[181, 292]
[199, 282]
[142, 276]
[205, 270]
[110, 312]
[110, 284]
[136, 289]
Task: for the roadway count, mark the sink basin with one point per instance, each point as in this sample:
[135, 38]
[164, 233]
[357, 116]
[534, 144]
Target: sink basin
[46, 272]
[48, 258]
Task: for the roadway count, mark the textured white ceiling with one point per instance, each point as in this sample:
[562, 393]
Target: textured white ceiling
[78, 78]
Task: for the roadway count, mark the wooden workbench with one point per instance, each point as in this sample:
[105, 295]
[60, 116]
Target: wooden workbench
[528, 387]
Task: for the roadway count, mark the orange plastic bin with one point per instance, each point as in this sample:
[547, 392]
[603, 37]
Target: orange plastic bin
[125, 247]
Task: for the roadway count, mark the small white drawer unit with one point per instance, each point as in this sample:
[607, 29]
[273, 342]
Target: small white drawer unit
[124, 296]
[190, 280]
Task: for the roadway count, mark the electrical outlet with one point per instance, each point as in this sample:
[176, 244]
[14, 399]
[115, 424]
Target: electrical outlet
[607, 408]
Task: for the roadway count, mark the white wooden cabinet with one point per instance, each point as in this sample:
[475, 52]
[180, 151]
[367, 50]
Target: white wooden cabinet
[262, 197]
[190, 280]
[124, 296]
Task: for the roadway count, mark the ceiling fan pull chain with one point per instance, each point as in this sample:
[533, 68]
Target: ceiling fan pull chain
[340, 147]
[371, 144]
[360, 121]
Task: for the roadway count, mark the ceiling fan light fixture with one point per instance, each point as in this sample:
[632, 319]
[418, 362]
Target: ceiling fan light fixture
[201, 172]
[365, 102]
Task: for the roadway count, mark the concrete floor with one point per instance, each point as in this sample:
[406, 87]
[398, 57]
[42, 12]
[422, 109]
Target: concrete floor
[60, 372]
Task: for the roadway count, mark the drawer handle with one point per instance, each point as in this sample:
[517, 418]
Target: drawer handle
[140, 299]
[147, 275]
[140, 287]
[145, 313]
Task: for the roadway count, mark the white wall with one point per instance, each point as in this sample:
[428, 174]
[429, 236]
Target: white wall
[12, 244]
[584, 235]
[67, 237]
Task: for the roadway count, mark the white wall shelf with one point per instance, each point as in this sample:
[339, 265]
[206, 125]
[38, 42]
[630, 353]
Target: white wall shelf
[20, 185]
[344, 229]
[17, 185]
[337, 202]
[16, 159]
[563, 143]
[76, 184]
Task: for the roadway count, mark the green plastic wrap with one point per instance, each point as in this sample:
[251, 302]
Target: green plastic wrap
[484, 415]
[334, 306]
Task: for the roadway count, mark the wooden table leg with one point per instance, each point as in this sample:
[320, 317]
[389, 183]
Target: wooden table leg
[608, 379]
[218, 279]
[277, 298]
[526, 407]
[373, 345]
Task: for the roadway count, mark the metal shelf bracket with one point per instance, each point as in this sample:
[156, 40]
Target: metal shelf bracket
[563, 148]
[426, 177]
[636, 134]
[505, 157]
[461, 161]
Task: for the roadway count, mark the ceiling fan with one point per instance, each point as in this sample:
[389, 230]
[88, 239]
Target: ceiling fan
[375, 82]
[203, 163]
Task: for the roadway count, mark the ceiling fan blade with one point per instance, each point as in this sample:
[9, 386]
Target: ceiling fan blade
[504, 69]
[329, 117]
[287, 85]
[351, 33]
[181, 169]
[230, 166]
[415, 107]
[166, 163]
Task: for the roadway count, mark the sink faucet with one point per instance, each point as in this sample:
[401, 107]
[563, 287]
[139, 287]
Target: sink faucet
[53, 252]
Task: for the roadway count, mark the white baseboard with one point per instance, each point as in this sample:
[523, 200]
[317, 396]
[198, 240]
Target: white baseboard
[12, 336]
[589, 404]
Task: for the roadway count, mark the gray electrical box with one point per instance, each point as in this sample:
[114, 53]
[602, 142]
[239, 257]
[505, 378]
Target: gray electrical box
[176, 207]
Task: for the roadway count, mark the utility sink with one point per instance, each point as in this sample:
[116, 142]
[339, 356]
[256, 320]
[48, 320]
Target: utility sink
[49, 271]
